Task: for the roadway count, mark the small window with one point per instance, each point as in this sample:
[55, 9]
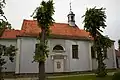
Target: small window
[75, 51]
[58, 47]
[93, 54]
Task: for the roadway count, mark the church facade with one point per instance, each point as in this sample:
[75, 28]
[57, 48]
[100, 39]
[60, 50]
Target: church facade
[69, 48]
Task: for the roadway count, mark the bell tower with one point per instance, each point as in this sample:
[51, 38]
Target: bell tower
[71, 17]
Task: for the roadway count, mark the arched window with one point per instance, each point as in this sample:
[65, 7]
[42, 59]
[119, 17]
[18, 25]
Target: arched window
[57, 48]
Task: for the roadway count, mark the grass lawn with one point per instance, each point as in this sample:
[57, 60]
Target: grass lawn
[82, 78]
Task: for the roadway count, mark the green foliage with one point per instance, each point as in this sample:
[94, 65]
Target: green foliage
[3, 19]
[43, 14]
[38, 57]
[4, 50]
[105, 44]
[116, 76]
[102, 44]
[94, 22]
[2, 5]
[4, 53]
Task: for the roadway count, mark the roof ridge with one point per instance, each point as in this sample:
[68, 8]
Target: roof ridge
[29, 20]
[60, 23]
[36, 20]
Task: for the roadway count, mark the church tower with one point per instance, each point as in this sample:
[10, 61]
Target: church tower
[71, 17]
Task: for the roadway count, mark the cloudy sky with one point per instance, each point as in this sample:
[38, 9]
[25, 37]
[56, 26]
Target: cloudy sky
[17, 10]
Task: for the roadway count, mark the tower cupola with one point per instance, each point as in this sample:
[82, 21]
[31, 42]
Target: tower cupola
[71, 17]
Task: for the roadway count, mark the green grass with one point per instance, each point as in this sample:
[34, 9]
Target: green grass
[82, 78]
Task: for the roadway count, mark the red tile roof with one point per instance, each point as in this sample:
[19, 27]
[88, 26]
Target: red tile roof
[10, 34]
[57, 29]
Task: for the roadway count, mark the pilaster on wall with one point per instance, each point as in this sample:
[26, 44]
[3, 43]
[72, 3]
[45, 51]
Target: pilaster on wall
[17, 68]
[90, 58]
[114, 57]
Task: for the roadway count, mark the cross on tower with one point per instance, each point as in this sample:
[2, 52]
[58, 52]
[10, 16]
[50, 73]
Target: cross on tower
[70, 6]
[71, 17]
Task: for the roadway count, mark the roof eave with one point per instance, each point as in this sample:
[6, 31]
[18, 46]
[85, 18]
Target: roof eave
[8, 38]
[60, 37]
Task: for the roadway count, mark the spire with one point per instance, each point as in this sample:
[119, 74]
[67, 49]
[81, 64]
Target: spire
[70, 6]
[71, 17]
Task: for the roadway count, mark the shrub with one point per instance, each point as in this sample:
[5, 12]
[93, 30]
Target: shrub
[116, 76]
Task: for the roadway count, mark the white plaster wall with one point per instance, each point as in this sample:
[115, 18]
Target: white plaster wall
[26, 55]
[49, 62]
[10, 66]
[27, 50]
[83, 63]
[94, 64]
[110, 61]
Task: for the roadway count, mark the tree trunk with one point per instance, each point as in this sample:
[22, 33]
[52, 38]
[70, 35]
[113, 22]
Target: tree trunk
[42, 63]
[41, 70]
[0, 73]
[101, 66]
[117, 62]
[1, 78]
[101, 72]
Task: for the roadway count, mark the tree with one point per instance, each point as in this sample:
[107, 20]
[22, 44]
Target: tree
[102, 44]
[94, 22]
[4, 50]
[43, 14]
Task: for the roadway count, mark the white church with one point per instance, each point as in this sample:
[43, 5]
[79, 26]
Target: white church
[69, 48]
